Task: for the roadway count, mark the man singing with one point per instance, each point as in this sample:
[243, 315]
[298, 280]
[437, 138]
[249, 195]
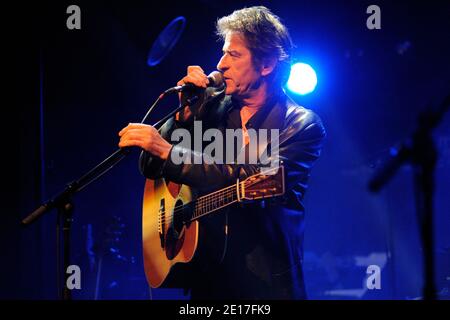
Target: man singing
[263, 255]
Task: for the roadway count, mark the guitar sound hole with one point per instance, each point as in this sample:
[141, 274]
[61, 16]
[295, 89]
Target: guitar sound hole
[175, 232]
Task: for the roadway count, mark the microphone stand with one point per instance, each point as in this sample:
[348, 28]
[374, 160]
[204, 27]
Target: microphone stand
[419, 150]
[64, 204]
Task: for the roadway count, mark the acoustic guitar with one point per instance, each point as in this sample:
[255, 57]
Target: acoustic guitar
[171, 213]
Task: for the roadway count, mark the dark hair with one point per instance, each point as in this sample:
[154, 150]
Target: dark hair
[265, 35]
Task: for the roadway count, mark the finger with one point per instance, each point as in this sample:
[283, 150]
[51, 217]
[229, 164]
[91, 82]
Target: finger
[201, 77]
[194, 68]
[191, 78]
[121, 132]
[201, 80]
[137, 125]
[132, 126]
[198, 73]
[130, 143]
[198, 80]
[136, 134]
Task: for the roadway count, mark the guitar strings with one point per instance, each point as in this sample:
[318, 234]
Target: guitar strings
[207, 201]
[204, 202]
[169, 220]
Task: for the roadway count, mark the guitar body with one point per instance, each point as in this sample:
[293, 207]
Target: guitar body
[166, 240]
[173, 235]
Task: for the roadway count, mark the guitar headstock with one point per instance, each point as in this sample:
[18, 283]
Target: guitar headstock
[269, 183]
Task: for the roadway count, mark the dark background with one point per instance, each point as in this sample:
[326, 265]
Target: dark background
[73, 90]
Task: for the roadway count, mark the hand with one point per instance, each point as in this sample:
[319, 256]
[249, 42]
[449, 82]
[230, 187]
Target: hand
[197, 77]
[145, 137]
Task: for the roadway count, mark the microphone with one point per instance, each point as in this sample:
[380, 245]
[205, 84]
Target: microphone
[215, 80]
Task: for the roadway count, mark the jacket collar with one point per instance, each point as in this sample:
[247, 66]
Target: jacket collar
[270, 116]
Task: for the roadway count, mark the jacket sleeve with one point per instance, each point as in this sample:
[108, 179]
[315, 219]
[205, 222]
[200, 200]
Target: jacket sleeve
[300, 145]
[152, 167]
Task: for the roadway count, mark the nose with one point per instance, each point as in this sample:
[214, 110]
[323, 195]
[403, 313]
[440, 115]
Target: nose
[222, 65]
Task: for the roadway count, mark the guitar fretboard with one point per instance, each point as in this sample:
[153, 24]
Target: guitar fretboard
[214, 201]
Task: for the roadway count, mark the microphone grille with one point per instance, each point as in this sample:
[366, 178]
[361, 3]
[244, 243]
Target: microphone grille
[216, 79]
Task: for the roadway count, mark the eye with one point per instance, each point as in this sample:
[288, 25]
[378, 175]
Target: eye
[233, 54]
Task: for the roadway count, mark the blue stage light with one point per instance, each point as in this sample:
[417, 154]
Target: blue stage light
[303, 79]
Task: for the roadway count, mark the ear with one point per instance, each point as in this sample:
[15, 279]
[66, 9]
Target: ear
[268, 66]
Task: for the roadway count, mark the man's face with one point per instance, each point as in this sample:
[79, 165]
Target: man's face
[236, 64]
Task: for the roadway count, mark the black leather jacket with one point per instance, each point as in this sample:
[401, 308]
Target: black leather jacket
[264, 247]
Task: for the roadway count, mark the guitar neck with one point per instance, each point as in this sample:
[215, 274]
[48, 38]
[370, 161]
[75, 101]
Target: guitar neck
[259, 186]
[216, 200]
